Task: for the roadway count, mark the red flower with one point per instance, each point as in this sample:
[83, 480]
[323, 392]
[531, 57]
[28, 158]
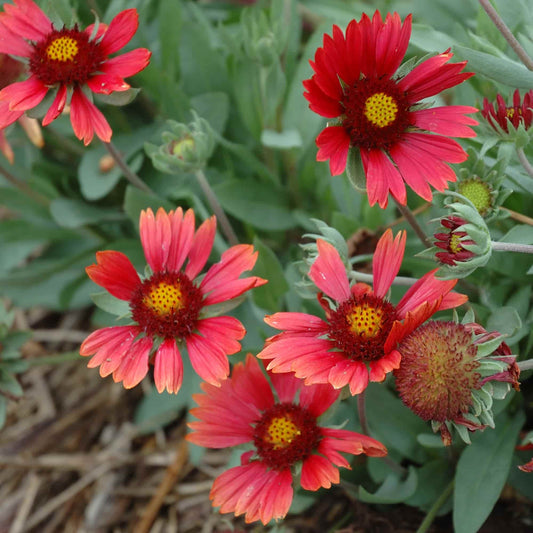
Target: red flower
[518, 113]
[452, 242]
[170, 305]
[70, 62]
[284, 433]
[357, 342]
[375, 109]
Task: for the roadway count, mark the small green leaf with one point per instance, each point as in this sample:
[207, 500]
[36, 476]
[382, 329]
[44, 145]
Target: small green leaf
[70, 213]
[110, 304]
[282, 140]
[505, 320]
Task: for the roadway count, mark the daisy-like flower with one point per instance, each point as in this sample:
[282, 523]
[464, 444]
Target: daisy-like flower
[357, 341]
[377, 112]
[285, 435]
[170, 307]
[449, 374]
[70, 62]
[519, 114]
[452, 240]
[10, 70]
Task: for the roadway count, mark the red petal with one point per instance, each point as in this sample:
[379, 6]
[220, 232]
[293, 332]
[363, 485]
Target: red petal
[387, 261]
[120, 31]
[87, 119]
[333, 144]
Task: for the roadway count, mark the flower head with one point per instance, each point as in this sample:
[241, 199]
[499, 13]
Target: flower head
[284, 434]
[70, 62]
[357, 341]
[170, 306]
[504, 118]
[377, 109]
[448, 376]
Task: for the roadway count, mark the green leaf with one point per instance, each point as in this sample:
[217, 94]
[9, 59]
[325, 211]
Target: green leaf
[393, 424]
[70, 213]
[170, 23]
[268, 267]
[502, 70]
[257, 204]
[482, 471]
[428, 39]
[433, 478]
[519, 234]
[213, 107]
[393, 489]
[505, 320]
[110, 304]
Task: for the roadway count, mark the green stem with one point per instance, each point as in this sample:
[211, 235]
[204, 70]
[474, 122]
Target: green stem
[524, 162]
[24, 187]
[128, 173]
[507, 33]
[432, 513]
[498, 246]
[225, 224]
[408, 215]
[54, 359]
[525, 365]
[369, 278]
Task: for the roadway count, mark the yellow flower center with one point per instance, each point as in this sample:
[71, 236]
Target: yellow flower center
[281, 432]
[455, 244]
[380, 109]
[365, 320]
[164, 298]
[62, 49]
[478, 192]
[183, 147]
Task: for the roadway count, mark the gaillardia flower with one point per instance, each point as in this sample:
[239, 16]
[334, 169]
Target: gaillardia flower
[450, 373]
[285, 436]
[503, 116]
[357, 341]
[170, 307]
[70, 62]
[377, 109]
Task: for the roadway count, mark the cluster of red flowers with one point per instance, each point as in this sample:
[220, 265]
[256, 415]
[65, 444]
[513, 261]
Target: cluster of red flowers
[376, 115]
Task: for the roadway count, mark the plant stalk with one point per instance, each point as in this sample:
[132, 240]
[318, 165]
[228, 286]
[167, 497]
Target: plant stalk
[225, 224]
[432, 513]
[498, 246]
[408, 215]
[507, 33]
[128, 173]
[524, 162]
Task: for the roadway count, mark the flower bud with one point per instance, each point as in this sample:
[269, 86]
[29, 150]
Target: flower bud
[185, 148]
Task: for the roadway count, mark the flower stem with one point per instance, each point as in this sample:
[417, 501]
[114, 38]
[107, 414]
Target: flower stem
[432, 513]
[507, 33]
[128, 173]
[408, 215]
[225, 224]
[525, 365]
[518, 216]
[369, 278]
[524, 162]
[24, 187]
[498, 246]
[56, 359]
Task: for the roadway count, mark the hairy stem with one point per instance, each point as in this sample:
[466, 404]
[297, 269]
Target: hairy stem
[369, 278]
[524, 162]
[432, 513]
[225, 224]
[507, 33]
[128, 173]
[498, 246]
[408, 215]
